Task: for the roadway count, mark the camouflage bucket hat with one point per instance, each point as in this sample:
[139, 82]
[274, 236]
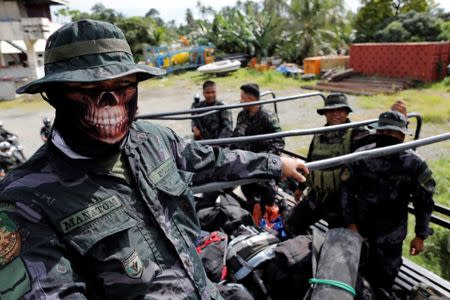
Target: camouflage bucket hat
[333, 101]
[88, 51]
[392, 120]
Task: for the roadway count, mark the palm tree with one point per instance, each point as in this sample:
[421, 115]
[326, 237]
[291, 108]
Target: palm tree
[315, 27]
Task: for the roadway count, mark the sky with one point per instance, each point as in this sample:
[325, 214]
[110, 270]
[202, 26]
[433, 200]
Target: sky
[175, 9]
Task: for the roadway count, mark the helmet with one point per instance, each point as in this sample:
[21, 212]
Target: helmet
[46, 121]
[5, 149]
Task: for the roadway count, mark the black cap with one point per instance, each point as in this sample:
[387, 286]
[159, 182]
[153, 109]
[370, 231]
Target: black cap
[251, 88]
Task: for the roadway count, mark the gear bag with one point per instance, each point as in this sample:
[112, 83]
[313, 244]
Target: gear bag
[247, 252]
[212, 248]
[335, 264]
[288, 273]
[225, 217]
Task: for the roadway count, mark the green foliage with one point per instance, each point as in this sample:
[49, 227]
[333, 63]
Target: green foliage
[445, 31]
[315, 27]
[139, 31]
[410, 27]
[446, 82]
[375, 16]
[436, 257]
[370, 16]
[394, 32]
[404, 6]
[245, 28]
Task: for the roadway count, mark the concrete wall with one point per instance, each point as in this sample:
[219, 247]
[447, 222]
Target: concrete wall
[13, 77]
[9, 11]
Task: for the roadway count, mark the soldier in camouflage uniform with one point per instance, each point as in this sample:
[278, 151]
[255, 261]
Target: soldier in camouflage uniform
[375, 194]
[321, 200]
[254, 120]
[104, 209]
[213, 126]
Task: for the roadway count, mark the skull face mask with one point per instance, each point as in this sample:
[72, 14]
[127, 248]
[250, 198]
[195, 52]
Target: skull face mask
[94, 120]
[104, 115]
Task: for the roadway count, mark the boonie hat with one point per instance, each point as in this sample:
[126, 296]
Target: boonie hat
[392, 120]
[333, 101]
[88, 51]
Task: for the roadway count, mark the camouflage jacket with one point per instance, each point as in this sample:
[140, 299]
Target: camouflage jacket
[262, 122]
[375, 194]
[214, 126]
[70, 228]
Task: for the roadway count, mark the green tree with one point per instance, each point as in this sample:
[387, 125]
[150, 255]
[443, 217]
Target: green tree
[153, 13]
[139, 31]
[410, 27]
[445, 31]
[369, 17]
[376, 15]
[404, 6]
[245, 28]
[315, 27]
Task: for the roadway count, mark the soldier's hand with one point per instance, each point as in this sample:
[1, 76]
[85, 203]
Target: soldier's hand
[293, 168]
[353, 227]
[196, 132]
[298, 194]
[417, 246]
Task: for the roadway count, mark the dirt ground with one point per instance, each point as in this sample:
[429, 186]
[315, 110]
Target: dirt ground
[299, 114]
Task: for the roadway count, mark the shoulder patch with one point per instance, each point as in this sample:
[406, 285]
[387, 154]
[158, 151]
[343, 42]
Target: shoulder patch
[133, 266]
[162, 171]
[15, 280]
[9, 239]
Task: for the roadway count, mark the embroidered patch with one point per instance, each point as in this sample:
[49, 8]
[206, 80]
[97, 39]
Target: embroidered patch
[162, 171]
[89, 214]
[15, 280]
[345, 175]
[9, 239]
[133, 266]
[60, 268]
[6, 206]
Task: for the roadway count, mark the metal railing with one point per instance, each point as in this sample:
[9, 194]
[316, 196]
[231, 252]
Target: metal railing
[216, 108]
[299, 132]
[332, 162]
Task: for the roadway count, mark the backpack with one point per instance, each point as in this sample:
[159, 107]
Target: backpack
[247, 252]
[212, 249]
[225, 217]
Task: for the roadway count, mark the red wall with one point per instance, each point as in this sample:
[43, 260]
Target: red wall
[419, 61]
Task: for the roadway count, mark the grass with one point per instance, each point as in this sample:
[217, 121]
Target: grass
[431, 100]
[441, 173]
[435, 257]
[25, 102]
[270, 79]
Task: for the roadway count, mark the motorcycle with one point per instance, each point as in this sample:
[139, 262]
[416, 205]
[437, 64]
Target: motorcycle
[46, 129]
[11, 152]
[11, 157]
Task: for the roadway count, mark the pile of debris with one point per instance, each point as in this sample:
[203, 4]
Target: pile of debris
[351, 82]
